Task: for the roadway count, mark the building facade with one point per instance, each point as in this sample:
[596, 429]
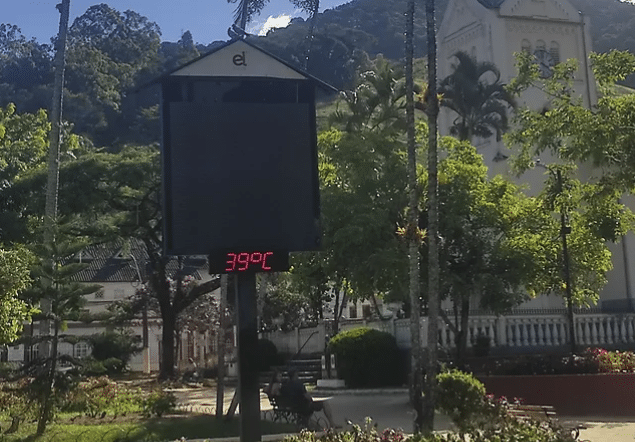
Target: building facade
[554, 31]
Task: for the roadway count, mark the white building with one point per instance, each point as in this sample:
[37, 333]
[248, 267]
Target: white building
[493, 30]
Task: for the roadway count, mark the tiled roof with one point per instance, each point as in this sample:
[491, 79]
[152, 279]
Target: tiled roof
[491, 4]
[109, 263]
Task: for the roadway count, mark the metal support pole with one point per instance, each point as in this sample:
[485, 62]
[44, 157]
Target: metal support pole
[247, 355]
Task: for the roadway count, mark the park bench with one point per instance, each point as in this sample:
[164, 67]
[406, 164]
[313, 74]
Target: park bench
[543, 413]
[285, 409]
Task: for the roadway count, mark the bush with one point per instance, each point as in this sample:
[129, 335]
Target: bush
[101, 396]
[110, 366]
[158, 403]
[462, 397]
[111, 345]
[267, 355]
[367, 358]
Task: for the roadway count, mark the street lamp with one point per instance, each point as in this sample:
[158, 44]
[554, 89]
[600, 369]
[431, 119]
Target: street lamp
[564, 231]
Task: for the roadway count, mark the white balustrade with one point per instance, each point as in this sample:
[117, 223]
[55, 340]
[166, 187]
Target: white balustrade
[524, 331]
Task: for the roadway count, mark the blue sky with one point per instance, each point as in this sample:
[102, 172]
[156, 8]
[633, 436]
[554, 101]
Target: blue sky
[207, 20]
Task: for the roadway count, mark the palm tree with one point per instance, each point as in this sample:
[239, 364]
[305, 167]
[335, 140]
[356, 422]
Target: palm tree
[474, 92]
[243, 13]
[312, 7]
[413, 216]
[432, 106]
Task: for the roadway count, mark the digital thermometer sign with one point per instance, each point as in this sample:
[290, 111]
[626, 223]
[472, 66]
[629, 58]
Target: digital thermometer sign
[238, 261]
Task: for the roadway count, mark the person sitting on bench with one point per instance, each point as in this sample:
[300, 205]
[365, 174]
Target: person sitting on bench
[295, 390]
[275, 384]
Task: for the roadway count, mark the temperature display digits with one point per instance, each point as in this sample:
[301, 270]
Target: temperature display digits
[249, 261]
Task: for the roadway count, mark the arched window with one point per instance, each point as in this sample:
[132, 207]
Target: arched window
[525, 46]
[473, 52]
[540, 44]
[554, 50]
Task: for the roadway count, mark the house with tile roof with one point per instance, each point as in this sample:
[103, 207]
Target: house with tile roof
[121, 269]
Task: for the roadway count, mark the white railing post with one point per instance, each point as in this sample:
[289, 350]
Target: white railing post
[502, 331]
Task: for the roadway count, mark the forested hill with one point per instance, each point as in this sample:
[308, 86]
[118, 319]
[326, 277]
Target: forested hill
[110, 53]
[376, 26]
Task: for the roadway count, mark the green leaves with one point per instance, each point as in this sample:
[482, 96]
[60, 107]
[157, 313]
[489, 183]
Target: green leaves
[603, 135]
[474, 92]
[491, 233]
[14, 277]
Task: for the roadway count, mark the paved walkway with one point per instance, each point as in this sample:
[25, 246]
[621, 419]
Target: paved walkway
[390, 409]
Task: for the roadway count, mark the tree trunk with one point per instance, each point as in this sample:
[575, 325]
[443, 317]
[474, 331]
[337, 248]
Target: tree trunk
[220, 385]
[433, 224]
[167, 347]
[462, 335]
[312, 22]
[50, 210]
[55, 136]
[47, 399]
[412, 236]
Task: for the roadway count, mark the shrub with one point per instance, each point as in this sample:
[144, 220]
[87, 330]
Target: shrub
[100, 396]
[462, 398]
[158, 403]
[611, 361]
[110, 345]
[367, 358]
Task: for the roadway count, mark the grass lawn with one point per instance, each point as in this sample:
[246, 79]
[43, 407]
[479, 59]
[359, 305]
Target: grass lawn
[190, 426]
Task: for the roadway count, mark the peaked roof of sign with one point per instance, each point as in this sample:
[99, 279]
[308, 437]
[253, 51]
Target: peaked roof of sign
[327, 87]
[491, 4]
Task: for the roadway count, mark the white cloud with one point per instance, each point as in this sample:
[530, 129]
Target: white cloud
[280, 21]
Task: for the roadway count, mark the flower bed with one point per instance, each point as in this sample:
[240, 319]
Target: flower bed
[595, 383]
[602, 394]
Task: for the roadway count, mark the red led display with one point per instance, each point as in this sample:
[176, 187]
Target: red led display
[249, 261]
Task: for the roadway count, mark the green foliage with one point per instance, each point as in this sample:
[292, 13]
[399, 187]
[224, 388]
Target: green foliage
[109, 366]
[610, 361]
[100, 396]
[158, 403]
[601, 135]
[473, 91]
[367, 358]
[14, 277]
[363, 192]
[461, 397]
[112, 346]
[14, 402]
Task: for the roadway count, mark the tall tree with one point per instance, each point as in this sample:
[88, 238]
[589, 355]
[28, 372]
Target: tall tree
[245, 10]
[432, 106]
[416, 375]
[50, 211]
[363, 194]
[600, 136]
[474, 92]
[312, 7]
[65, 297]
